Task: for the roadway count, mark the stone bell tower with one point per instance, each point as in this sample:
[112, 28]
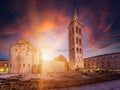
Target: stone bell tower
[75, 43]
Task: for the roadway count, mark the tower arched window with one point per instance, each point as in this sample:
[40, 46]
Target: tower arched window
[72, 30]
[80, 31]
[80, 41]
[80, 50]
[72, 49]
[77, 40]
[23, 65]
[76, 29]
[77, 49]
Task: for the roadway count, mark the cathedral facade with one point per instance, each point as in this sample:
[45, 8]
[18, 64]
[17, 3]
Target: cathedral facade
[24, 58]
[75, 43]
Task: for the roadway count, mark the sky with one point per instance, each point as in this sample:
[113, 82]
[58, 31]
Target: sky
[44, 23]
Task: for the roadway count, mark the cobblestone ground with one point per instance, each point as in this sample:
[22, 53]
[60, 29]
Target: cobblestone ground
[55, 81]
[109, 85]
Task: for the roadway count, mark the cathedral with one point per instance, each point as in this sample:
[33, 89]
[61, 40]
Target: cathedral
[75, 43]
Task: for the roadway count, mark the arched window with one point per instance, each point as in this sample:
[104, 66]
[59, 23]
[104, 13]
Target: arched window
[77, 40]
[72, 49]
[80, 50]
[80, 31]
[80, 41]
[72, 30]
[77, 49]
[76, 29]
[23, 65]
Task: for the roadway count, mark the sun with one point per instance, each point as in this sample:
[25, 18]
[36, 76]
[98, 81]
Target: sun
[45, 57]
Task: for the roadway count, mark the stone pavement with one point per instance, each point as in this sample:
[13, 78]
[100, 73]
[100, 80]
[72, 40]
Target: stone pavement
[109, 85]
[60, 81]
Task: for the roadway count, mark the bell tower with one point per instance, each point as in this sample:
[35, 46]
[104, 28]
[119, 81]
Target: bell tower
[75, 43]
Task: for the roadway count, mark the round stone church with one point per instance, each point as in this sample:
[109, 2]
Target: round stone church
[24, 58]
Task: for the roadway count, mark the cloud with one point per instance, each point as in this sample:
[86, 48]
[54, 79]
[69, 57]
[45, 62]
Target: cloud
[96, 28]
[44, 23]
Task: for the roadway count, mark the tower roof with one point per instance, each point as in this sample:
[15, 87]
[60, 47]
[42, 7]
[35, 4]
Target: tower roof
[75, 17]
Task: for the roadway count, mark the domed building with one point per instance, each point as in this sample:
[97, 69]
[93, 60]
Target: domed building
[24, 58]
[57, 65]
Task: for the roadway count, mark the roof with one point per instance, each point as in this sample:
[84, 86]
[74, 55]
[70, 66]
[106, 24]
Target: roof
[102, 55]
[60, 58]
[22, 42]
[75, 18]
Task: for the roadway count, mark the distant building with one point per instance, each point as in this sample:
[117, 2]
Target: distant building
[103, 63]
[75, 43]
[3, 66]
[57, 65]
[24, 58]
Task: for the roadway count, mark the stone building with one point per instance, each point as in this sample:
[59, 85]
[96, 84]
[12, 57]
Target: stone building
[57, 65]
[75, 43]
[103, 63]
[24, 58]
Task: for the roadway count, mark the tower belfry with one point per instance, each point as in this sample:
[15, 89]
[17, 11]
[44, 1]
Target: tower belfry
[75, 42]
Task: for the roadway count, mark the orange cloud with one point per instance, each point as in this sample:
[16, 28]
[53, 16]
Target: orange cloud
[42, 27]
[50, 21]
[91, 42]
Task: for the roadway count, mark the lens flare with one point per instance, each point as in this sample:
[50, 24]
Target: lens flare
[45, 57]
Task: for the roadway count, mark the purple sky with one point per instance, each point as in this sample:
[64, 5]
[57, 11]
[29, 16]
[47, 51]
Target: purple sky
[44, 23]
